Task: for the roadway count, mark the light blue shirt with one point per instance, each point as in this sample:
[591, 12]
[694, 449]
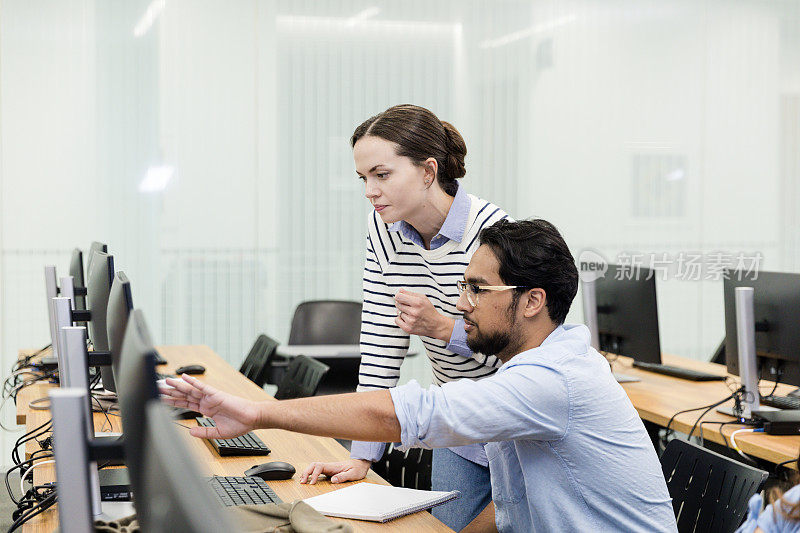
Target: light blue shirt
[567, 450]
[771, 520]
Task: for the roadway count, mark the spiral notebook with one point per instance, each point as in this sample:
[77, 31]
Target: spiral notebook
[378, 503]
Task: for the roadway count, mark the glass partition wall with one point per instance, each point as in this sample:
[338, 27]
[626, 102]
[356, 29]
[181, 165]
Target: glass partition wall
[208, 144]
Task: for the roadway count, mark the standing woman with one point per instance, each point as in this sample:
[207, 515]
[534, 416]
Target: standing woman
[422, 234]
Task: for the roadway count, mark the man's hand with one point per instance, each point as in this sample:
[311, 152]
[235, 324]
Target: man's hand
[417, 316]
[234, 416]
[350, 470]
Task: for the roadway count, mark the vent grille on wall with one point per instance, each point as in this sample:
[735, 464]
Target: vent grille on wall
[211, 297]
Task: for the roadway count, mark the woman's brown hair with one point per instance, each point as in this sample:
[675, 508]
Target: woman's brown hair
[419, 134]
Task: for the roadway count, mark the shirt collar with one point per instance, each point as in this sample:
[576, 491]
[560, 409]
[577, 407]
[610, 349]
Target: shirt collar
[574, 338]
[455, 223]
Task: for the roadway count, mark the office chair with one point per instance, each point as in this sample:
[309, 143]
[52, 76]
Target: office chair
[330, 322]
[709, 491]
[410, 469]
[326, 322]
[302, 378]
[257, 364]
[719, 354]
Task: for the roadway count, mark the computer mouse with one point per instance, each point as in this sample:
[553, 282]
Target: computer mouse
[181, 413]
[190, 369]
[273, 470]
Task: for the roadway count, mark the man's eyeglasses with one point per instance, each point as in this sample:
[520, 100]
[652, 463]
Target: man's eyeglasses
[474, 290]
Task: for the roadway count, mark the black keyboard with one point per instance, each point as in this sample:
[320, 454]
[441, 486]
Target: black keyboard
[678, 372]
[781, 402]
[160, 360]
[247, 444]
[242, 491]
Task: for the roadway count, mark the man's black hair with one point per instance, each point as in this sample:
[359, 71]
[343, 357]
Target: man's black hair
[533, 254]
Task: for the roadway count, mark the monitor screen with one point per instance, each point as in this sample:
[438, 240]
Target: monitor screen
[172, 495]
[101, 276]
[51, 291]
[776, 309]
[76, 271]
[95, 247]
[120, 306]
[627, 313]
[136, 385]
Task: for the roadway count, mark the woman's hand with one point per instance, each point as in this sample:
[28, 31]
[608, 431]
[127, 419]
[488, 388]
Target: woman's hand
[417, 316]
[350, 470]
[233, 416]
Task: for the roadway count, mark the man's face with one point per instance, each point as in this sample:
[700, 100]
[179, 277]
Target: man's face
[490, 325]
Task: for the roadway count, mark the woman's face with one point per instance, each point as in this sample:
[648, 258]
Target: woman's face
[394, 185]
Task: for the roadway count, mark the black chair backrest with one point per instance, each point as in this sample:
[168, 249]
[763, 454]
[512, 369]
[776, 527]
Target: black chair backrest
[719, 354]
[410, 469]
[302, 378]
[709, 491]
[326, 322]
[256, 365]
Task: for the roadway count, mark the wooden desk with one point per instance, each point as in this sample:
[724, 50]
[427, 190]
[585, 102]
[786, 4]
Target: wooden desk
[37, 390]
[658, 397]
[293, 448]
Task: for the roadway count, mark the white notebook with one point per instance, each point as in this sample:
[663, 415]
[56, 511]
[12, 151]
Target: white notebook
[378, 503]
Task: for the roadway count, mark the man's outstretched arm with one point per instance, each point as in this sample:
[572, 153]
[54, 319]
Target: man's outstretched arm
[365, 416]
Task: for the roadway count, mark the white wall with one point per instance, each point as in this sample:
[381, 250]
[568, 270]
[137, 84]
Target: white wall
[692, 79]
[48, 159]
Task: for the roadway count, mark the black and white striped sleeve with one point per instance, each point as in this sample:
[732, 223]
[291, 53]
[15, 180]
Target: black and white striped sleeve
[383, 344]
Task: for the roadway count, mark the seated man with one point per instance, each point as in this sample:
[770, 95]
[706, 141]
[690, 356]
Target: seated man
[567, 451]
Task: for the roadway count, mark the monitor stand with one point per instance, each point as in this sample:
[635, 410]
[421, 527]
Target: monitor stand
[115, 485]
[109, 437]
[112, 511]
[731, 412]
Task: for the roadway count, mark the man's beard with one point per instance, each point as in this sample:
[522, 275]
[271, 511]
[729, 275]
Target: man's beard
[496, 342]
[489, 344]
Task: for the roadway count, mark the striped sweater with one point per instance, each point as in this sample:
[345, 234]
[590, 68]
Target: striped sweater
[394, 262]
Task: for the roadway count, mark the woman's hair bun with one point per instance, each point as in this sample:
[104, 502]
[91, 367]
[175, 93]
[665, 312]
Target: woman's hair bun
[456, 151]
[419, 135]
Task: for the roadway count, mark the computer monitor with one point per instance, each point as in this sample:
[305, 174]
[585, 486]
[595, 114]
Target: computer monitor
[74, 468]
[101, 277]
[136, 385]
[172, 495]
[79, 481]
[67, 290]
[776, 307]
[73, 369]
[95, 247]
[51, 291]
[120, 306]
[627, 313]
[78, 281]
